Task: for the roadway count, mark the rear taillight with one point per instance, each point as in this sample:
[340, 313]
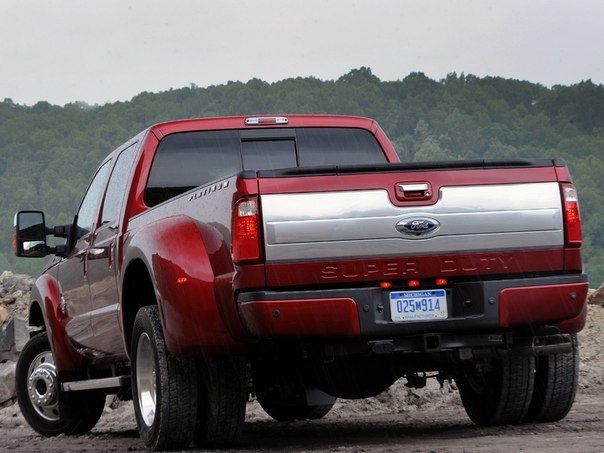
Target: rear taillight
[572, 218]
[246, 231]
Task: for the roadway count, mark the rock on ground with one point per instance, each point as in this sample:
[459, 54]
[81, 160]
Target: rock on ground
[14, 307]
[597, 297]
[7, 382]
[14, 296]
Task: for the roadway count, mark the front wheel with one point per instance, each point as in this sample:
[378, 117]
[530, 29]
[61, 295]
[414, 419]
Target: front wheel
[45, 407]
[498, 392]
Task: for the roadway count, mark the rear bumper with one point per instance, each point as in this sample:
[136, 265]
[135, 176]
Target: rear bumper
[493, 305]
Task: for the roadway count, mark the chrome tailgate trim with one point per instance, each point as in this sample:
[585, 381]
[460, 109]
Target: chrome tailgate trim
[333, 225]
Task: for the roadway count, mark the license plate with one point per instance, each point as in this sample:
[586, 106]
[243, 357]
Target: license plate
[418, 305]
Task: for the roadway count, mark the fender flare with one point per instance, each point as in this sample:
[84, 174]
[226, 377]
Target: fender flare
[46, 293]
[184, 259]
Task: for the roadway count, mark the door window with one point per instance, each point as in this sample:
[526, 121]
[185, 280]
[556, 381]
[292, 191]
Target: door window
[116, 187]
[90, 203]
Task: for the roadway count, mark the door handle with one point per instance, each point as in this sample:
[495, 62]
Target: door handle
[96, 253]
[413, 191]
[99, 253]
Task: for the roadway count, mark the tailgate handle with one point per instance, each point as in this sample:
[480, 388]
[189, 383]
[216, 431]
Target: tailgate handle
[413, 191]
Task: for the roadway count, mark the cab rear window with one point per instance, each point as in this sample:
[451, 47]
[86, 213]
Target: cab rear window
[187, 160]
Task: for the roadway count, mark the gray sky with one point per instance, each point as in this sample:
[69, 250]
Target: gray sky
[101, 51]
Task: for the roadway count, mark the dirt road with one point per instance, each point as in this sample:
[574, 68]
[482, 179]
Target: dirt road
[444, 430]
[427, 420]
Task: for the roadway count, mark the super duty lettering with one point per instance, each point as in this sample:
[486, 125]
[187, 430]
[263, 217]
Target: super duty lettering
[369, 269]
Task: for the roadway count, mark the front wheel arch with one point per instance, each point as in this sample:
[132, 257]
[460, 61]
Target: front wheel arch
[36, 318]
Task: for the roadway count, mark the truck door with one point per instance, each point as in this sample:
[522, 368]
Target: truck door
[73, 269]
[102, 260]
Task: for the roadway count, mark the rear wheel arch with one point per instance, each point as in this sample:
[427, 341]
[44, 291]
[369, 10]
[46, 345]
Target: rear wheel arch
[137, 291]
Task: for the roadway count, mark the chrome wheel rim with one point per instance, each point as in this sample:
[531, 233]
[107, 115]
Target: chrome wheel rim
[146, 387]
[43, 386]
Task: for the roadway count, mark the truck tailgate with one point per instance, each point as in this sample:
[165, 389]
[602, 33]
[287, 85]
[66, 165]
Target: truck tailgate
[473, 212]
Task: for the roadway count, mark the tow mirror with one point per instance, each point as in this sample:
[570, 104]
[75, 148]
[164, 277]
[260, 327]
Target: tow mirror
[30, 234]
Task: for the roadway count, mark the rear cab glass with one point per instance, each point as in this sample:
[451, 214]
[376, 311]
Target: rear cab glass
[187, 160]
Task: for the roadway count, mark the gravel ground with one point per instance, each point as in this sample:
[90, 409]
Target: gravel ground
[427, 420]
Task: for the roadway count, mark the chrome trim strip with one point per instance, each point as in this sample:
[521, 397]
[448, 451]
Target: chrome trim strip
[363, 223]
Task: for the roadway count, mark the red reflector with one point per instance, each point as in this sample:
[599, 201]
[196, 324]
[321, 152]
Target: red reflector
[441, 282]
[572, 216]
[413, 283]
[245, 231]
[385, 285]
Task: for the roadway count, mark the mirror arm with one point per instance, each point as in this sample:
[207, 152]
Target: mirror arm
[59, 231]
[59, 250]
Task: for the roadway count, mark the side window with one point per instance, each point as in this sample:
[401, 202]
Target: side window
[117, 186]
[90, 203]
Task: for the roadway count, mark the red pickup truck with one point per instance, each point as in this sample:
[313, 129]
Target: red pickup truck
[297, 259]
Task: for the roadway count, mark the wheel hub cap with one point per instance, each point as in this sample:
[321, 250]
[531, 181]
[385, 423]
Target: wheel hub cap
[145, 379]
[43, 386]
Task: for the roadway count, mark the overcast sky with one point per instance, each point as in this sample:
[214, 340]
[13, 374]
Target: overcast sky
[102, 51]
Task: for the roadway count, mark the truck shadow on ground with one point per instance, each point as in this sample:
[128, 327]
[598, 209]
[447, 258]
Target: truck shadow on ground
[331, 434]
[359, 434]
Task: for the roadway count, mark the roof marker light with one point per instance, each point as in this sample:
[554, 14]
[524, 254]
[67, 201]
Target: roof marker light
[265, 120]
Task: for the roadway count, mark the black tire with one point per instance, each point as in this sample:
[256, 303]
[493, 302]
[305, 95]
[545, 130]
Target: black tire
[164, 387]
[499, 393]
[47, 409]
[223, 391]
[556, 384]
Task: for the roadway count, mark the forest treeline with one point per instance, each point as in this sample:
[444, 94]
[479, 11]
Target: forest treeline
[50, 152]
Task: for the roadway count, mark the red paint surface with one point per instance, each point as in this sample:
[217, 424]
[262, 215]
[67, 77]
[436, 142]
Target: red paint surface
[541, 304]
[405, 268]
[563, 174]
[335, 317]
[572, 260]
[47, 292]
[178, 247]
[389, 181]
[575, 324]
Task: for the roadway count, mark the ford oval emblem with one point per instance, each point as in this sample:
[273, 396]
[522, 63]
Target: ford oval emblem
[418, 226]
